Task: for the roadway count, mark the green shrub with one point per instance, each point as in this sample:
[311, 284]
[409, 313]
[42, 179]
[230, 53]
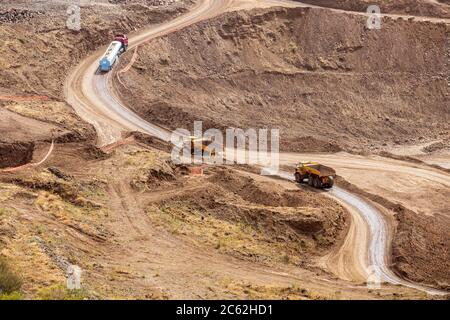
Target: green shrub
[11, 296]
[60, 292]
[9, 281]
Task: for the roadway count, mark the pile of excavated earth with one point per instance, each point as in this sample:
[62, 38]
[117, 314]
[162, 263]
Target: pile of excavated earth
[328, 83]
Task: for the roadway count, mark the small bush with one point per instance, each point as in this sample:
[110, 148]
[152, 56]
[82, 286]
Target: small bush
[165, 61]
[9, 281]
[60, 292]
[11, 296]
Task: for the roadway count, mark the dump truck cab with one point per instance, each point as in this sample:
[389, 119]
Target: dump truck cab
[317, 175]
[122, 38]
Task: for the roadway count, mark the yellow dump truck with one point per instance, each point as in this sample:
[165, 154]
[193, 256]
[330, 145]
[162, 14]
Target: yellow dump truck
[318, 175]
[201, 143]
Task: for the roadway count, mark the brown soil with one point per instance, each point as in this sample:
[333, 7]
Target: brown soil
[299, 223]
[19, 135]
[15, 154]
[51, 49]
[267, 69]
[438, 146]
[124, 237]
[435, 147]
[439, 8]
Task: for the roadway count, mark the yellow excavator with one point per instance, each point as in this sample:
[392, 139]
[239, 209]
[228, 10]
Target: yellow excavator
[317, 175]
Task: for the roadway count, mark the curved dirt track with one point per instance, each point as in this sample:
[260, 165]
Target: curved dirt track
[91, 96]
[368, 223]
[354, 261]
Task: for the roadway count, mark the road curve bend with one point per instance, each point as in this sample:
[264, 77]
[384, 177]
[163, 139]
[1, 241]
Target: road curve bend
[369, 226]
[89, 92]
[90, 95]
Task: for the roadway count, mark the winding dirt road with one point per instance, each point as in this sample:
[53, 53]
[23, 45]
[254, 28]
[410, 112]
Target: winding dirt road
[367, 243]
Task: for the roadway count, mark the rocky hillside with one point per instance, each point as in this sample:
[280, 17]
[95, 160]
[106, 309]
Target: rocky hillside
[312, 73]
[430, 8]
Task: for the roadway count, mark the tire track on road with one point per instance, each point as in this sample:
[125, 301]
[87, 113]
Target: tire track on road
[371, 259]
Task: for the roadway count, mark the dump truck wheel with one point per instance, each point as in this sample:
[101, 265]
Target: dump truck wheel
[315, 182]
[298, 177]
[311, 180]
[331, 183]
[318, 183]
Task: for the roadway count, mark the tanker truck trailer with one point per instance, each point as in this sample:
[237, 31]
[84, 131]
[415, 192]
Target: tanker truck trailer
[115, 49]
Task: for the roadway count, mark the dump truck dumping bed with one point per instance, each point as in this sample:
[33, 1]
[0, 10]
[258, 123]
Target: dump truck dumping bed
[323, 170]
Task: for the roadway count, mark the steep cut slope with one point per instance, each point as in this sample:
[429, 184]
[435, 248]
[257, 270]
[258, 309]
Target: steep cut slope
[309, 72]
[431, 8]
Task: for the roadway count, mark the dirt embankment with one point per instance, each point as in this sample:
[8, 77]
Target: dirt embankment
[19, 134]
[317, 75]
[299, 223]
[13, 155]
[37, 51]
[439, 8]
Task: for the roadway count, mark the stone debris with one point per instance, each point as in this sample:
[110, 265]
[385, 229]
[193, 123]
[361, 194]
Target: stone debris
[15, 15]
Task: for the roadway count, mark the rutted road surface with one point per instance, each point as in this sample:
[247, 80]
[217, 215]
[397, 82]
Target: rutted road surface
[378, 243]
[355, 261]
[91, 96]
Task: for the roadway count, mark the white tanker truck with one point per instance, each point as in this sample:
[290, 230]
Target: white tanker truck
[115, 49]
